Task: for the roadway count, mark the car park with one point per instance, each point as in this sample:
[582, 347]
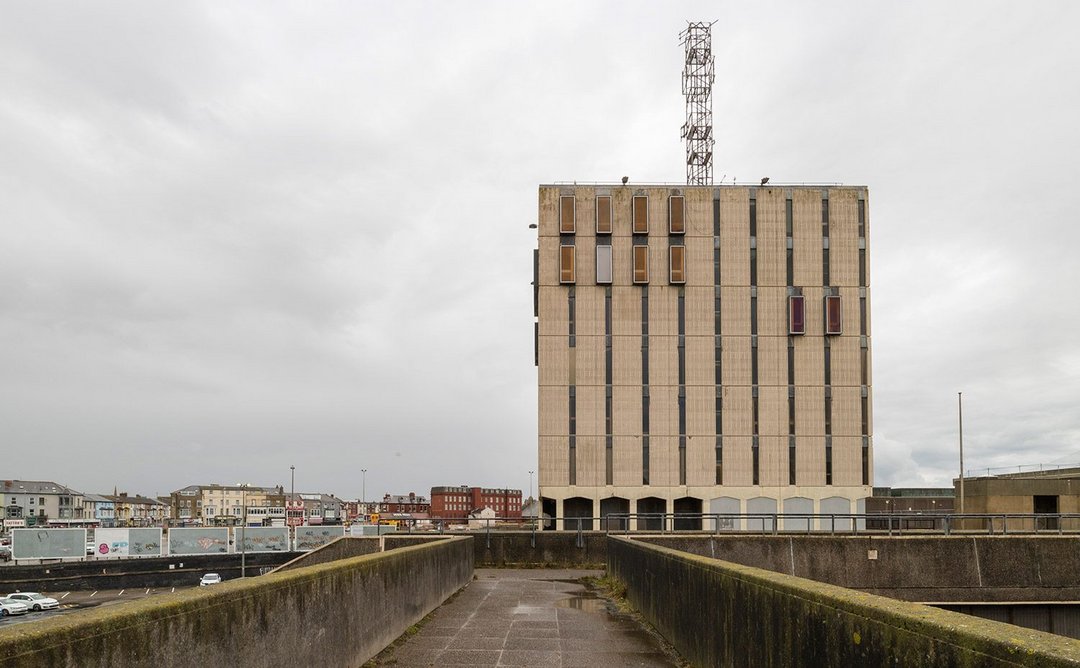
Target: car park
[210, 579]
[35, 601]
[9, 606]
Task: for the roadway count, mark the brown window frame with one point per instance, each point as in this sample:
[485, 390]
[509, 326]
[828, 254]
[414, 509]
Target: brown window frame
[796, 325]
[644, 250]
[674, 250]
[643, 227]
[607, 207]
[562, 214]
[671, 214]
[562, 264]
[834, 326]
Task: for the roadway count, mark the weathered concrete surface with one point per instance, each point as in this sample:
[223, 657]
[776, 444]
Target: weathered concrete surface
[175, 571]
[561, 549]
[344, 547]
[335, 614]
[721, 613]
[526, 549]
[537, 617]
[910, 568]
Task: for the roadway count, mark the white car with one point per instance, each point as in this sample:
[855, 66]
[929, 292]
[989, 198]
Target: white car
[9, 606]
[210, 579]
[35, 601]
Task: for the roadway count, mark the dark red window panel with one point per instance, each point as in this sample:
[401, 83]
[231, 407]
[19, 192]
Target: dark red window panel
[796, 314]
[833, 315]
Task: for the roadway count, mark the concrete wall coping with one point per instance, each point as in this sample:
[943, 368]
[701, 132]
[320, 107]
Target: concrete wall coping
[999, 640]
[102, 621]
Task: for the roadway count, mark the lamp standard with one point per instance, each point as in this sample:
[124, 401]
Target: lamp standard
[960, 415]
[363, 489]
[292, 493]
[243, 518]
[530, 484]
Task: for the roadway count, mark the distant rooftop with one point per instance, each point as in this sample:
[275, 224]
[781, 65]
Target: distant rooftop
[1043, 472]
[34, 487]
[749, 183]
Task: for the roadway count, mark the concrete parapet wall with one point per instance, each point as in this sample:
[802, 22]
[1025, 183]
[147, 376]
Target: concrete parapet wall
[933, 568]
[333, 614]
[345, 547]
[525, 549]
[718, 613]
[552, 549]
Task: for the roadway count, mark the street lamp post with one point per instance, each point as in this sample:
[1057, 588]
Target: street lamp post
[363, 489]
[243, 528]
[530, 484]
[292, 493]
[960, 415]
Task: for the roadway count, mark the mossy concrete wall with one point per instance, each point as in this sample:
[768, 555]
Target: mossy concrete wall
[541, 549]
[344, 547]
[912, 568]
[718, 613]
[334, 614]
[525, 549]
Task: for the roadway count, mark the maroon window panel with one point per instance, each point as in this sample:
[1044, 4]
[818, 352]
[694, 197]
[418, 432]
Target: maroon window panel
[833, 315]
[796, 314]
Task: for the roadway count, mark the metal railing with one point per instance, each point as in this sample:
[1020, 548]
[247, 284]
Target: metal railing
[870, 524]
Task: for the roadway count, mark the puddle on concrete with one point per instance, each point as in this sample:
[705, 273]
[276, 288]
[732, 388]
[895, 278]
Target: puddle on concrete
[529, 610]
[586, 603]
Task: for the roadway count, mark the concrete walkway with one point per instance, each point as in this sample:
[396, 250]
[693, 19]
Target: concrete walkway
[527, 617]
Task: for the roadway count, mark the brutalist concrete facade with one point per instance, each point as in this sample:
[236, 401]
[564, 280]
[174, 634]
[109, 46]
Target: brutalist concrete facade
[703, 350]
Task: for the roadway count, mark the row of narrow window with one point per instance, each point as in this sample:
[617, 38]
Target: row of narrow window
[676, 265]
[639, 213]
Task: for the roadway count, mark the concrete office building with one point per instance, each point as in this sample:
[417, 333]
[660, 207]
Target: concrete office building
[703, 349]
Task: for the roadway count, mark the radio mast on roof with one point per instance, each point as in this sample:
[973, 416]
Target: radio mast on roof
[699, 72]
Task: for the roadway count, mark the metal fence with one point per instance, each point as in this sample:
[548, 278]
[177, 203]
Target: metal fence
[875, 524]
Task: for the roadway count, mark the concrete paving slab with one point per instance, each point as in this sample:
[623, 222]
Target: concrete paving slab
[528, 617]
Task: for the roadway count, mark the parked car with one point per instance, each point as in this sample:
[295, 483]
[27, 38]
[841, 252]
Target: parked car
[9, 606]
[210, 579]
[5, 553]
[35, 601]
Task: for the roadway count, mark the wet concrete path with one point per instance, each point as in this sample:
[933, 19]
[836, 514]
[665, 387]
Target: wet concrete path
[527, 617]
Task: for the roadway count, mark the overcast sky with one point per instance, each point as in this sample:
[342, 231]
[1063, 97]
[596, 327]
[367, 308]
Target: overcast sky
[236, 237]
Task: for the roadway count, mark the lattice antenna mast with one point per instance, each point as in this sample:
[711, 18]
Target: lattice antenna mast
[699, 72]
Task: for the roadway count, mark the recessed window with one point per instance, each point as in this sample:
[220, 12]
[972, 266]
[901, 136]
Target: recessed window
[566, 264]
[566, 214]
[603, 214]
[833, 315]
[676, 223]
[603, 264]
[796, 315]
[641, 214]
[641, 264]
[678, 264]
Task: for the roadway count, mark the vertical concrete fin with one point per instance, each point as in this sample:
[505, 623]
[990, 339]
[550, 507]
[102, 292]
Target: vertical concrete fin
[978, 568]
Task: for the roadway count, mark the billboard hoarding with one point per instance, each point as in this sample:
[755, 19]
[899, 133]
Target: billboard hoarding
[48, 543]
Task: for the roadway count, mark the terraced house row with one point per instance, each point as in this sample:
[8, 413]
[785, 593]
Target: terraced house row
[703, 349]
